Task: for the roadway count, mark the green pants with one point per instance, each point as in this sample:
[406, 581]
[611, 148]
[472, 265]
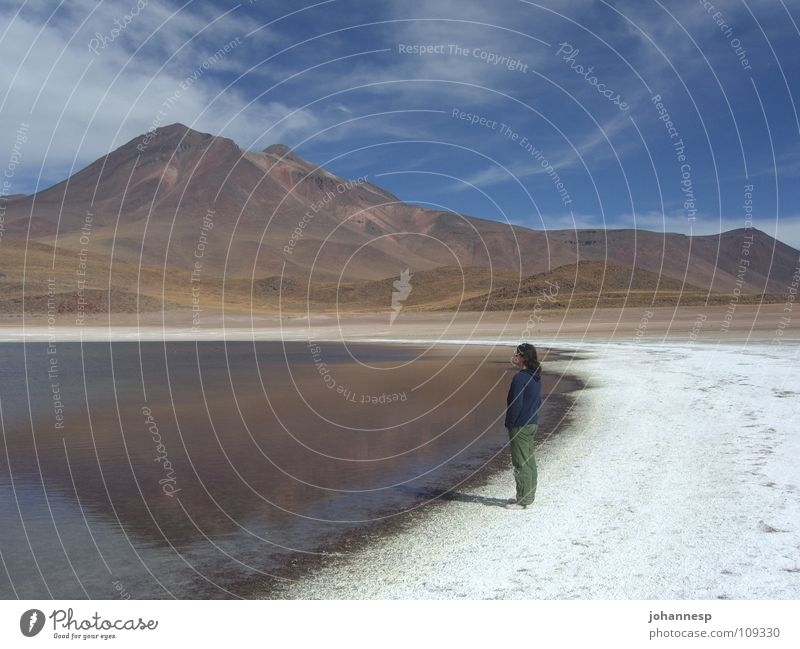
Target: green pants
[524, 462]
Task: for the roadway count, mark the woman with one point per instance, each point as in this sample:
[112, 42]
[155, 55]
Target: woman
[522, 421]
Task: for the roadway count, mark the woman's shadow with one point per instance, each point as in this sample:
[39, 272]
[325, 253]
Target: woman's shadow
[430, 493]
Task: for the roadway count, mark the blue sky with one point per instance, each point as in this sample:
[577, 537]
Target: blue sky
[555, 145]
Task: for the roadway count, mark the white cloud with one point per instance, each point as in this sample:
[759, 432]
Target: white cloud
[80, 105]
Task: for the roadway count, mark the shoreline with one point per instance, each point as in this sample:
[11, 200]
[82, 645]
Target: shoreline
[554, 421]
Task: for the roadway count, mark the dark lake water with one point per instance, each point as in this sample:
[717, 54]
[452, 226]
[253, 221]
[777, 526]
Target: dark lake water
[204, 470]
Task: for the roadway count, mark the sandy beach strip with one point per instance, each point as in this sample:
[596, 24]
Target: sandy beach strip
[713, 323]
[678, 480]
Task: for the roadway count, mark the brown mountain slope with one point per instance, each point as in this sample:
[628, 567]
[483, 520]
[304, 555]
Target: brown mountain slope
[583, 285]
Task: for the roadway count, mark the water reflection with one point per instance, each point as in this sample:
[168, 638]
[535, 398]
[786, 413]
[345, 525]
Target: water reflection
[188, 469]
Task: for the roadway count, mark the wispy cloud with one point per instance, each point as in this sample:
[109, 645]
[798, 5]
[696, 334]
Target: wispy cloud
[592, 148]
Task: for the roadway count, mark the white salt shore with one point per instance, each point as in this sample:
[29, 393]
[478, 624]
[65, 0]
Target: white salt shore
[677, 479]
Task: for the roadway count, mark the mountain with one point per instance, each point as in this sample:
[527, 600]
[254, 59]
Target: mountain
[176, 209]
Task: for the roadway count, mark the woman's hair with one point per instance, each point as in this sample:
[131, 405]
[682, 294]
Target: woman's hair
[528, 353]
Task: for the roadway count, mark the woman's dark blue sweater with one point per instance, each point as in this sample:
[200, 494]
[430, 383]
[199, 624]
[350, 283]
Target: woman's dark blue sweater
[524, 399]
